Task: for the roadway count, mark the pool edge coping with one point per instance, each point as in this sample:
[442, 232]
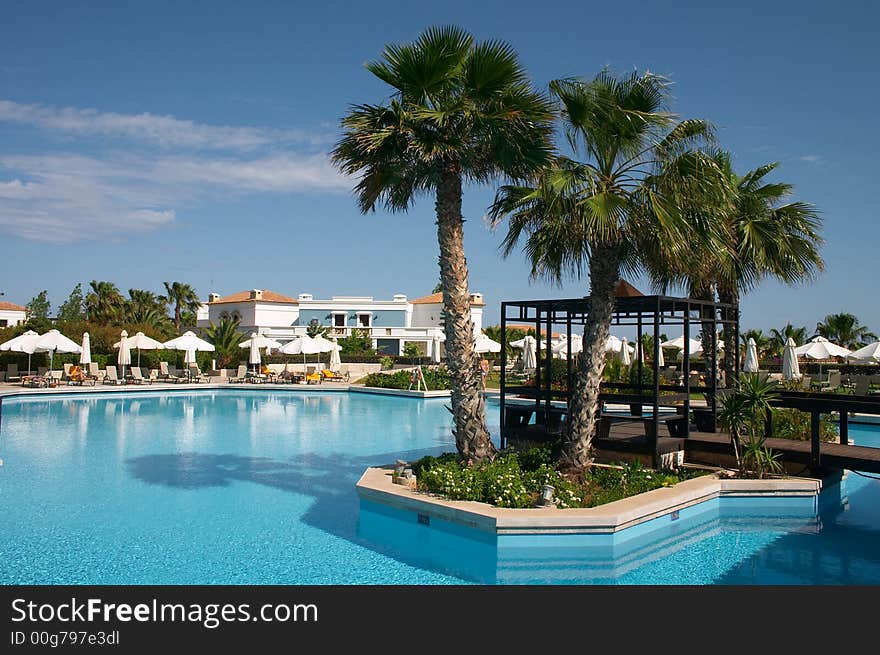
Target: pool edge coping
[375, 485]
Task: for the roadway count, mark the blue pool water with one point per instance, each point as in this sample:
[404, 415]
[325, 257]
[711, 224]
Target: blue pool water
[255, 487]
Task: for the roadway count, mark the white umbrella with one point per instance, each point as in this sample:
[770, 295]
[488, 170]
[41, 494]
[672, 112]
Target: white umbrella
[624, 353]
[435, 350]
[821, 348]
[661, 362]
[142, 342]
[790, 368]
[751, 363]
[305, 345]
[54, 342]
[870, 353]
[123, 357]
[190, 343]
[529, 356]
[86, 354]
[255, 342]
[335, 359]
[566, 346]
[678, 343]
[23, 343]
[484, 344]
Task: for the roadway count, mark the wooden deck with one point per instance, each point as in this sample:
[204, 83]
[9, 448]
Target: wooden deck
[630, 437]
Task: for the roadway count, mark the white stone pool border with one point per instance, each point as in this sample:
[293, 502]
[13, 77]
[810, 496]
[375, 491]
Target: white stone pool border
[375, 485]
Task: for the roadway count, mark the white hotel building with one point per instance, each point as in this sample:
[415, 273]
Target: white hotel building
[390, 323]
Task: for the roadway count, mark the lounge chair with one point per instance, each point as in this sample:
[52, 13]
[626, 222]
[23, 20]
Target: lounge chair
[832, 383]
[806, 381]
[137, 376]
[110, 376]
[327, 374]
[195, 375]
[94, 372]
[312, 376]
[168, 374]
[12, 374]
[241, 375]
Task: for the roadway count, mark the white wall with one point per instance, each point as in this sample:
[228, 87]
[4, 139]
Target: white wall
[12, 317]
[428, 315]
[274, 315]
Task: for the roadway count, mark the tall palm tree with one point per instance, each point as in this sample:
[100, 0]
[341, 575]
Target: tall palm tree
[845, 330]
[601, 215]
[459, 110]
[764, 237]
[183, 298]
[104, 303]
[225, 336]
[778, 338]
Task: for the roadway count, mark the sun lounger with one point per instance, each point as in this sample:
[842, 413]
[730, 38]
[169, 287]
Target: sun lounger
[241, 375]
[137, 376]
[110, 376]
[169, 374]
[327, 374]
[195, 375]
[12, 374]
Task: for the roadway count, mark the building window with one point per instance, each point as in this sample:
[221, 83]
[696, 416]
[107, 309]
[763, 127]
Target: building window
[364, 320]
[236, 316]
[4, 322]
[338, 320]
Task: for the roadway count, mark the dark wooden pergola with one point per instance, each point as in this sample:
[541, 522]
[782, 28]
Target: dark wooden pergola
[650, 315]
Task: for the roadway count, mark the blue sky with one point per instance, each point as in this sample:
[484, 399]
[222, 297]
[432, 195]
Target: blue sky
[144, 142]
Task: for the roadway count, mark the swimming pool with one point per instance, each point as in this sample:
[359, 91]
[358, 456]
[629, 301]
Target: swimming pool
[256, 487]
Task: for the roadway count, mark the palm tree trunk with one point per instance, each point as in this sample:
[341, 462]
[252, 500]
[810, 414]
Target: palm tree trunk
[583, 410]
[177, 317]
[472, 438]
[731, 347]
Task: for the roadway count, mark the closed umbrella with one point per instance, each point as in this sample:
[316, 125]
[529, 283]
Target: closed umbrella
[529, 356]
[624, 353]
[751, 363]
[435, 350]
[790, 368]
[335, 359]
[54, 342]
[85, 356]
[568, 346]
[123, 357]
[23, 343]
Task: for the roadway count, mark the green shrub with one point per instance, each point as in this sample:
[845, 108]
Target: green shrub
[386, 362]
[535, 458]
[453, 481]
[429, 460]
[435, 379]
[791, 423]
[504, 485]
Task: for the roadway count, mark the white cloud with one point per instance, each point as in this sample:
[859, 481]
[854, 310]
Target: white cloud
[813, 159]
[64, 198]
[161, 131]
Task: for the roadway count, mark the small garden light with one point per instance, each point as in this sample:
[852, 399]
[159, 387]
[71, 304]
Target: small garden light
[547, 494]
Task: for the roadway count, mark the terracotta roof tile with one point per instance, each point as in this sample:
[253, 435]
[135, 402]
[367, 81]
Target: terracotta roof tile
[11, 307]
[437, 298]
[245, 296]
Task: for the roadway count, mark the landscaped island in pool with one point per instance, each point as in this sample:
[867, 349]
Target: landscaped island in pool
[232, 486]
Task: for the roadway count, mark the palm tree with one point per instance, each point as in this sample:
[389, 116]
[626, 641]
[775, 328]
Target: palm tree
[104, 303]
[225, 336]
[778, 338]
[184, 299]
[763, 238]
[460, 110]
[602, 215]
[845, 330]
